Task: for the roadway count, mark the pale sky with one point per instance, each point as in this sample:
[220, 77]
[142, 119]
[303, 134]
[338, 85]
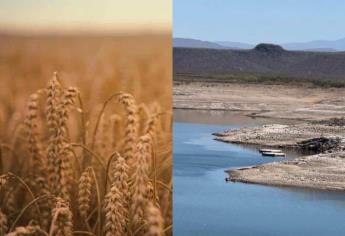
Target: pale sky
[256, 21]
[86, 15]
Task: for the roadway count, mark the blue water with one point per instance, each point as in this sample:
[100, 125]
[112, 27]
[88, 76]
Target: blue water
[204, 204]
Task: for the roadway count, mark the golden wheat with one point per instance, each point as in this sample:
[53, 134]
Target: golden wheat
[155, 221]
[74, 164]
[3, 223]
[132, 177]
[62, 224]
[84, 193]
[115, 212]
[140, 181]
[3, 181]
[27, 231]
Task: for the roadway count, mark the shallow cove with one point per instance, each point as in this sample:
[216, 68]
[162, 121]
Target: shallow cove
[204, 204]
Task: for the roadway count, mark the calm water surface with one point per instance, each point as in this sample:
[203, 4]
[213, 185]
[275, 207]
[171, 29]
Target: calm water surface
[205, 205]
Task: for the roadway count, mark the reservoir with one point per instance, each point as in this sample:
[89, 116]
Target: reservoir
[205, 205]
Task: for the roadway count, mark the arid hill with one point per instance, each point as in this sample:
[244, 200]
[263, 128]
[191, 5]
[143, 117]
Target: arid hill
[264, 60]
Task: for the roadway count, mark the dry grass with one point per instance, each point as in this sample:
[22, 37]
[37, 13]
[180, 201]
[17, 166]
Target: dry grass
[86, 150]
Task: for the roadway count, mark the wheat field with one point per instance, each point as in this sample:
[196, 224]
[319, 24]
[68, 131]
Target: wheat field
[85, 135]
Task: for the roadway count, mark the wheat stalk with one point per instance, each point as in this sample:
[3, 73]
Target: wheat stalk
[59, 156]
[62, 224]
[131, 131]
[3, 181]
[54, 163]
[119, 169]
[27, 231]
[34, 147]
[151, 125]
[116, 200]
[56, 137]
[84, 193]
[115, 220]
[3, 223]
[10, 201]
[155, 220]
[32, 131]
[115, 127]
[141, 180]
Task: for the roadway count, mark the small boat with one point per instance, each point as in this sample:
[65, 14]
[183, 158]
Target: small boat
[273, 154]
[269, 150]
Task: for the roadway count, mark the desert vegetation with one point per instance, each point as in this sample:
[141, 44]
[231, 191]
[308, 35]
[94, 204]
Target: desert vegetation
[258, 79]
[264, 63]
[85, 150]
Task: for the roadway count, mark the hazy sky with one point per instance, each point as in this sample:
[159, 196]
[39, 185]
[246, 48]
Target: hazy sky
[86, 15]
[255, 21]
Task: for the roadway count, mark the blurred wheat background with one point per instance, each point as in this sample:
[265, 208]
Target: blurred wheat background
[97, 65]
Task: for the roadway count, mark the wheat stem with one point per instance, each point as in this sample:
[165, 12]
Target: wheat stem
[98, 201]
[84, 232]
[34, 201]
[99, 117]
[108, 168]
[29, 190]
[86, 159]
[98, 158]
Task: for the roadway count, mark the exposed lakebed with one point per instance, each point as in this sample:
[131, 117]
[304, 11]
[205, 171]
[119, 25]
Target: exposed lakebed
[204, 204]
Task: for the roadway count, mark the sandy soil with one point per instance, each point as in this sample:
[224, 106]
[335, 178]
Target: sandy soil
[324, 171]
[307, 104]
[278, 135]
[260, 100]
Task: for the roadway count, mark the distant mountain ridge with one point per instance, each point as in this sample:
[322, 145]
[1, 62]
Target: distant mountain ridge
[264, 59]
[317, 45]
[235, 44]
[337, 45]
[195, 43]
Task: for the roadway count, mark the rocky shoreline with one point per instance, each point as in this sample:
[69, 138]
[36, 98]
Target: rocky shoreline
[291, 102]
[324, 171]
[329, 137]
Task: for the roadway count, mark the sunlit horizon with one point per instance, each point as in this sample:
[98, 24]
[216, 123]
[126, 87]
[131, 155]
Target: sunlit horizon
[85, 16]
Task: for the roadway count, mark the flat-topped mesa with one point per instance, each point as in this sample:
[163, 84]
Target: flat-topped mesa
[269, 48]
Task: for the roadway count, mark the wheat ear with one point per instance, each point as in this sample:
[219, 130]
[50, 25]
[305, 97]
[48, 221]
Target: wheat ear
[154, 220]
[3, 223]
[66, 166]
[59, 163]
[131, 130]
[62, 224]
[27, 231]
[114, 212]
[56, 136]
[32, 132]
[3, 181]
[119, 169]
[84, 193]
[140, 180]
[117, 199]
[34, 146]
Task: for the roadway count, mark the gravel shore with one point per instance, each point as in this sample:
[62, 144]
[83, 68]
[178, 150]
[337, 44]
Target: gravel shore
[262, 100]
[324, 171]
[277, 135]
